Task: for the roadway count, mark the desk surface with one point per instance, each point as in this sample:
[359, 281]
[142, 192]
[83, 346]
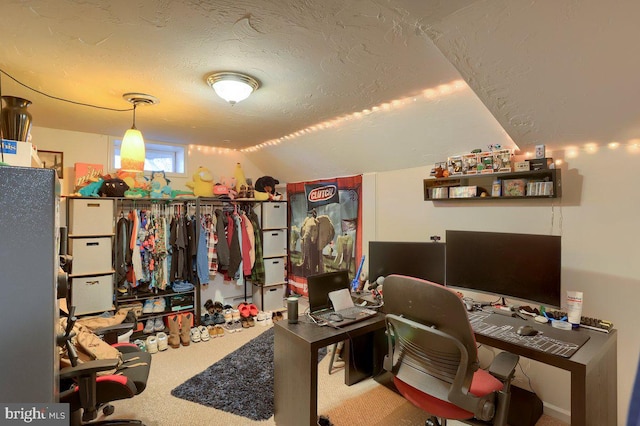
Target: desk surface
[321, 336]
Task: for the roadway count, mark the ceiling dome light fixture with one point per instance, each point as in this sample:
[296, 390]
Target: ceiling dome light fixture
[132, 152]
[231, 86]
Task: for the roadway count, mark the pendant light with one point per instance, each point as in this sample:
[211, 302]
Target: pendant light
[132, 152]
[233, 87]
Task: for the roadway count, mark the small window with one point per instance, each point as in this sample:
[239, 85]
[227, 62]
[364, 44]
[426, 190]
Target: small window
[159, 156]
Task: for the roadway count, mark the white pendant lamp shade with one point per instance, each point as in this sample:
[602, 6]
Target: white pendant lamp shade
[132, 151]
[232, 87]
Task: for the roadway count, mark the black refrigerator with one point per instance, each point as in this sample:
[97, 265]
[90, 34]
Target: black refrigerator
[29, 242]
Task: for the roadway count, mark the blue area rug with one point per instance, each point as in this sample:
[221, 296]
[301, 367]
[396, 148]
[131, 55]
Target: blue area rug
[240, 383]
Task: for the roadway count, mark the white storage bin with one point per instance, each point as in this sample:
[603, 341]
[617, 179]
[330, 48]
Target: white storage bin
[274, 270]
[90, 217]
[269, 298]
[274, 243]
[90, 255]
[274, 215]
[92, 294]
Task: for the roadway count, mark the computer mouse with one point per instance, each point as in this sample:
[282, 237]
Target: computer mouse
[527, 330]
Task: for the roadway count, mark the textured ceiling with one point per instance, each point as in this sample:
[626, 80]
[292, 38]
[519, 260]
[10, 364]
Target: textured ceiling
[535, 72]
[316, 60]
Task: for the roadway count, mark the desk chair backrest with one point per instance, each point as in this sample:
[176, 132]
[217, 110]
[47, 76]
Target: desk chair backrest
[431, 343]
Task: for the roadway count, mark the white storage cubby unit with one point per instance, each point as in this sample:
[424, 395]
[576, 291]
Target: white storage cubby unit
[270, 295]
[90, 223]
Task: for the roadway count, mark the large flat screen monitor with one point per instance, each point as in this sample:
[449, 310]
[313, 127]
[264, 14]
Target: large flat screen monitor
[520, 266]
[414, 259]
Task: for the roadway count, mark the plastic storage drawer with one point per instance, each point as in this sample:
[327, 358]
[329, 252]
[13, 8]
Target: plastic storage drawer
[90, 217]
[274, 215]
[269, 298]
[274, 270]
[274, 243]
[92, 294]
[91, 255]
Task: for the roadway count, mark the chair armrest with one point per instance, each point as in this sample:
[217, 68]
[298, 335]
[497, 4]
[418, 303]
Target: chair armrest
[503, 366]
[117, 328]
[88, 368]
[110, 333]
[126, 348]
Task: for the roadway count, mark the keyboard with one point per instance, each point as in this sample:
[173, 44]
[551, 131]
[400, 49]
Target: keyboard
[586, 322]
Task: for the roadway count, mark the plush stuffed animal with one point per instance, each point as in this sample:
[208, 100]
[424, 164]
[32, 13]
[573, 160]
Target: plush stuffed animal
[113, 187]
[92, 189]
[266, 188]
[202, 183]
[160, 185]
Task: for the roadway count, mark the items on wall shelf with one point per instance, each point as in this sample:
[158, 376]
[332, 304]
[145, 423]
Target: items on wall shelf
[546, 183]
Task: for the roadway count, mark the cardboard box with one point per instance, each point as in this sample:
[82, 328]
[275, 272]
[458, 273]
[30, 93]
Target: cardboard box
[540, 163]
[18, 153]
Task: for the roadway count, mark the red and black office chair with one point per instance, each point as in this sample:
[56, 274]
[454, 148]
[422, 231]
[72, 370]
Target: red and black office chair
[432, 355]
[86, 392]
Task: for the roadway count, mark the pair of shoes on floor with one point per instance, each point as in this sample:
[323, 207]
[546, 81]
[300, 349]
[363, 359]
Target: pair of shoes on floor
[157, 343]
[199, 334]
[247, 322]
[215, 331]
[233, 326]
[154, 306]
[277, 316]
[153, 325]
[247, 310]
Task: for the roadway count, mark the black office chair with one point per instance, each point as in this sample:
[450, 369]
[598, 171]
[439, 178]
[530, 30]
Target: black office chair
[432, 355]
[86, 391]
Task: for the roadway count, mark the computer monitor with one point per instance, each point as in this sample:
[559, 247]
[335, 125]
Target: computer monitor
[320, 285]
[414, 259]
[520, 266]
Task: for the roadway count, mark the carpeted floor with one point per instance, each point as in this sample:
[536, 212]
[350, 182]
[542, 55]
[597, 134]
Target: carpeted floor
[240, 383]
[364, 404]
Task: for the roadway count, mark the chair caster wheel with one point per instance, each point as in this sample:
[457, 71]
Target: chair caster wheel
[433, 421]
[108, 410]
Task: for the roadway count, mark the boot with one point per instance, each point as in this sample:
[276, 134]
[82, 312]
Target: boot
[174, 331]
[185, 329]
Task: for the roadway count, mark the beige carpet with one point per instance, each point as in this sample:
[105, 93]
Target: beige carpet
[366, 403]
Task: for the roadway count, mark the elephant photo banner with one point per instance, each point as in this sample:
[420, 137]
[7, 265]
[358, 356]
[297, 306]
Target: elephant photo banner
[325, 228]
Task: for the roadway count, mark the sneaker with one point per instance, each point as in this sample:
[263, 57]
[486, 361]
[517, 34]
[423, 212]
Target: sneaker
[218, 318]
[219, 330]
[158, 324]
[159, 305]
[163, 344]
[140, 344]
[149, 326]
[195, 335]
[148, 306]
[237, 326]
[269, 319]
[229, 327]
[152, 344]
[204, 333]
[211, 330]
[261, 318]
[227, 316]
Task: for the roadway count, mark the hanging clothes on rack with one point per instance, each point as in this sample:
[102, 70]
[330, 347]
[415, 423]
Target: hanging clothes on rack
[222, 248]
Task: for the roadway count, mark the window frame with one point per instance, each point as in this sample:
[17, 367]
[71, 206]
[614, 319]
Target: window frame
[151, 145]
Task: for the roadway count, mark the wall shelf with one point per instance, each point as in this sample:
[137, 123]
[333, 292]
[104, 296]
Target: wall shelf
[534, 184]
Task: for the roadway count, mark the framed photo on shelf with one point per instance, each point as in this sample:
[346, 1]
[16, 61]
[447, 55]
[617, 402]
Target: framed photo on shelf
[52, 160]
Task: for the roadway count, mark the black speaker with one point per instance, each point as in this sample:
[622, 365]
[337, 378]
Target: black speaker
[525, 408]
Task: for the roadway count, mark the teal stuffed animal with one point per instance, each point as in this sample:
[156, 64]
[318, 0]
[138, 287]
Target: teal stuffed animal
[92, 189]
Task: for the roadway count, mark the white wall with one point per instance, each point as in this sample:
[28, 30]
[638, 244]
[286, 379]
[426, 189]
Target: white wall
[597, 219]
[92, 148]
